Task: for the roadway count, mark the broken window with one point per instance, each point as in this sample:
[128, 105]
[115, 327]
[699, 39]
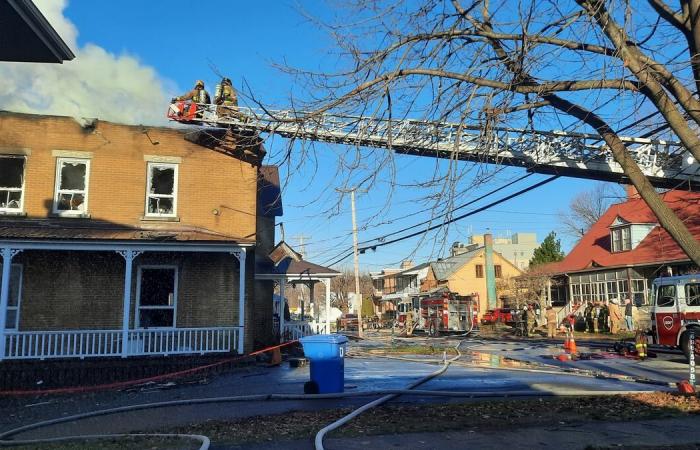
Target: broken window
[71, 186]
[162, 190]
[157, 297]
[13, 300]
[11, 182]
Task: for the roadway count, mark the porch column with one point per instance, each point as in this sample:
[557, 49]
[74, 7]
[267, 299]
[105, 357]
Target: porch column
[128, 256]
[7, 255]
[327, 282]
[283, 283]
[240, 254]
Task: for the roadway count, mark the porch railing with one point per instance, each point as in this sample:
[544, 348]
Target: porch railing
[101, 343]
[296, 330]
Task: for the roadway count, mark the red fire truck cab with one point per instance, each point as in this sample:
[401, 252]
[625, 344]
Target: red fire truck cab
[676, 311]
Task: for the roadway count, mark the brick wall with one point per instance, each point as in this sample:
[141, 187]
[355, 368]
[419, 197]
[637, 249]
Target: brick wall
[208, 180]
[84, 290]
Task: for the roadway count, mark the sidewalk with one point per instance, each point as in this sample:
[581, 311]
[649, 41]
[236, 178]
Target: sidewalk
[644, 434]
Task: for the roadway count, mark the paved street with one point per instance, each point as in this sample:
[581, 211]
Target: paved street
[486, 366]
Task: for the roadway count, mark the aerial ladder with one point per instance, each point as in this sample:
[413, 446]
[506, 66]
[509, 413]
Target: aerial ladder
[667, 164]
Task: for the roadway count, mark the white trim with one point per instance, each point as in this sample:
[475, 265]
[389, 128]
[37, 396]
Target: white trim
[138, 307]
[71, 154]
[163, 159]
[149, 167]
[84, 192]
[19, 296]
[21, 189]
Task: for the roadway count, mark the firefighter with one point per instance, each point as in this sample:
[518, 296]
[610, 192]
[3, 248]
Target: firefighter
[551, 322]
[640, 343]
[603, 318]
[588, 317]
[196, 95]
[530, 317]
[409, 323]
[615, 316]
[226, 98]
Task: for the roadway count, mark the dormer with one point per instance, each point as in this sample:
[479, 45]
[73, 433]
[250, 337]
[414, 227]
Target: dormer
[625, 236]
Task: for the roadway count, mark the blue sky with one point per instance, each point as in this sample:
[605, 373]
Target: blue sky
[179, 41]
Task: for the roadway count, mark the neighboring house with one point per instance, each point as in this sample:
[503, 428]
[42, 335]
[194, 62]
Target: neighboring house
[518, 248]
[624, 251]
[466, 274]
[124, 240]
[396, 285]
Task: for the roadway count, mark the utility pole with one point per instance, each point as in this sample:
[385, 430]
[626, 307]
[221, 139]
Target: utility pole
[356, 258]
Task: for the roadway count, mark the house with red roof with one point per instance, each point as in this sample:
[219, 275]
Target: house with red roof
[624, 251]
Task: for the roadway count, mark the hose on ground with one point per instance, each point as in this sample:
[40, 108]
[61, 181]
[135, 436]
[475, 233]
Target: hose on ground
[318, 440]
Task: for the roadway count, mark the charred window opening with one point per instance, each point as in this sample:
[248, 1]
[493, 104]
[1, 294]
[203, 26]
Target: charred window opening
[11, 182]
[157, 297]
[71, 186]
[162, 190]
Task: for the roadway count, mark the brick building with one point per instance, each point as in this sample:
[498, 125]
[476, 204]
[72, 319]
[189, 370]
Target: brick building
[127, 240]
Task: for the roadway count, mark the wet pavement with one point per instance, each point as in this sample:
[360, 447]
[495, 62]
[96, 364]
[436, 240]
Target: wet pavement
[494, 367]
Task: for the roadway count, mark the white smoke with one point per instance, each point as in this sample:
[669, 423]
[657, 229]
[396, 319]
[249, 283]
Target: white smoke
[96, 83]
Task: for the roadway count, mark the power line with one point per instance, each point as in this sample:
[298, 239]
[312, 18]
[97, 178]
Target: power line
[454, 219]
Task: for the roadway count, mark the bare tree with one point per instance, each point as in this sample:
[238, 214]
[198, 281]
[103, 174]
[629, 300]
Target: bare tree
[344, 284]
[586, 208]
[597, 66]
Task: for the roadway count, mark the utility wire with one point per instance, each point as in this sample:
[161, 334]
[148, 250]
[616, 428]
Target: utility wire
[452, 220]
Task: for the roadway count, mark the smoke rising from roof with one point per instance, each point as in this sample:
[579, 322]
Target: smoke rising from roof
[96, 83]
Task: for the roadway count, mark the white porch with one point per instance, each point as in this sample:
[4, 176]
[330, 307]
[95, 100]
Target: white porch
[125, 341]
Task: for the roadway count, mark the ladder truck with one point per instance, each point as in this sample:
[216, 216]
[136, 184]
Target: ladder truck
[667, 164]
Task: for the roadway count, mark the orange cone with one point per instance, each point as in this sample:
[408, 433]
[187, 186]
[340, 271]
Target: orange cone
[276, 359]
[567, 343]
[572, 344]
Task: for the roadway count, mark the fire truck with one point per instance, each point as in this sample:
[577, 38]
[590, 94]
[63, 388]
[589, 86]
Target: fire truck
[442, 312]
[676, 311]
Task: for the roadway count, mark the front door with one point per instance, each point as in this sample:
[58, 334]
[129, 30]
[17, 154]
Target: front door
[666, 315]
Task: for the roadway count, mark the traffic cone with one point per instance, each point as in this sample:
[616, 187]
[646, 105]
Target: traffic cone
[567, 343]
[572, 344]
[276, 359]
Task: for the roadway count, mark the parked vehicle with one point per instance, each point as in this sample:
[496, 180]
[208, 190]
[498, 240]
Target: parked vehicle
[500, 315]
[676, 311]
[441, 313]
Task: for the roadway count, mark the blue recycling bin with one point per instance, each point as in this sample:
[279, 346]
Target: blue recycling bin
[326, 353]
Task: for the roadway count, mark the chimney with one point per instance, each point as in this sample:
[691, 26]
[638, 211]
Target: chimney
[407, 264]
[490, 271]
[632, 193]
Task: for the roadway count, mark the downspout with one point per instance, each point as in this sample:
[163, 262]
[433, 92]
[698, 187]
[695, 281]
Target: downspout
[490, 271]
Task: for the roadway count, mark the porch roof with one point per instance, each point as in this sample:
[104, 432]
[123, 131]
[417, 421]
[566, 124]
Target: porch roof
[80, 229]
[293, 269]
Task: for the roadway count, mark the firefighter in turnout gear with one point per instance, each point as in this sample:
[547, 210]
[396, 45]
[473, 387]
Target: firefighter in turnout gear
[226, 99]
[196, 95]
[640, 343]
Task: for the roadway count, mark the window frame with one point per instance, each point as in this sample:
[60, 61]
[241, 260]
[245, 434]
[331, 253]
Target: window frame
[479, 270]
[17, 308]
[658, 296]
[498, 271]
[176, 175]
[21, 190]
[57, 191]
[688, 297]
[139, 307]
